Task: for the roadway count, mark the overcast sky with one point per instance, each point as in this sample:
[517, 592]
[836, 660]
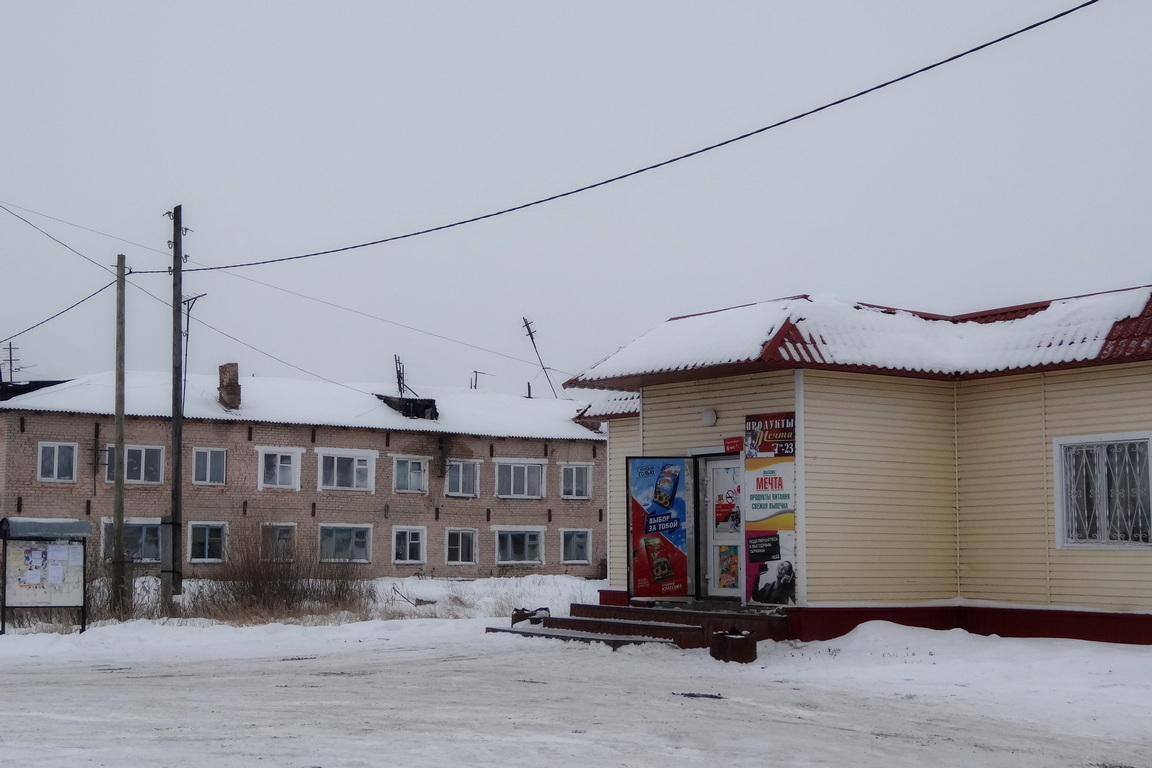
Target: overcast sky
[1017, 174]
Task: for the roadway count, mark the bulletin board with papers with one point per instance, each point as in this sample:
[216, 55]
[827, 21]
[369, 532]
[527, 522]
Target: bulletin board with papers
[43, 574]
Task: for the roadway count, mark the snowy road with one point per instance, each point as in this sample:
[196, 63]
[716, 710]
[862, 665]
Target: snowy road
[443, 693]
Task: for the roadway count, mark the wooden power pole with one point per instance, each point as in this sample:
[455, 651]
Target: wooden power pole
[171, 575]
[121, 596]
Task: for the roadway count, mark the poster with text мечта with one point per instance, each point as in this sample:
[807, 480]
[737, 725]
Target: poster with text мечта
[770, 507]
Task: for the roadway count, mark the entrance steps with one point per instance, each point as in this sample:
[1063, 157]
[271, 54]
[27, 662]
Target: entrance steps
[686, 625]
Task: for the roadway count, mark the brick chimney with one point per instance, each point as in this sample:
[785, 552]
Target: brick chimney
[230, 386]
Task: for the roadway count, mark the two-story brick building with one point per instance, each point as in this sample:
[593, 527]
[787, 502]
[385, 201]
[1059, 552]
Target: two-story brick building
[453, 483]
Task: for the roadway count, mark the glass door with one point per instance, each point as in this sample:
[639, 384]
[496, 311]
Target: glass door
[723, 528]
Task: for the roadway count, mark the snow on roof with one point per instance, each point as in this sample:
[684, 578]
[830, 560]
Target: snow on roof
[614, 405]
[826, 331]
[289, 401]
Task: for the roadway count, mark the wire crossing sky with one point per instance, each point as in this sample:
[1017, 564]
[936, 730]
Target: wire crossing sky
[1014, 176]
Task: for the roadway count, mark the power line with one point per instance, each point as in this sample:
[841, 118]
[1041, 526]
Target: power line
[662, 163]
[55, 240]
[67, 309]
[4, 203]
[334, 305]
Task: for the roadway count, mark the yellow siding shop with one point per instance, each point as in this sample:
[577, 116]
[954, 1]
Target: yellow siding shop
[844, 462]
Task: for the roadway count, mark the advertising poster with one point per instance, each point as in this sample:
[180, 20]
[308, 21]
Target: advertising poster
[658, 497]
[770, 511]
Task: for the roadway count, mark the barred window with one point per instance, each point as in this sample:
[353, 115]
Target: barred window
[1105, 491]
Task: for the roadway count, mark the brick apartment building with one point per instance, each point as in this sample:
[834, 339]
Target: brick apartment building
[456, 483]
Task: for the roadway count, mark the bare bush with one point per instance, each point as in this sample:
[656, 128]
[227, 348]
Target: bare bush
[250, 589]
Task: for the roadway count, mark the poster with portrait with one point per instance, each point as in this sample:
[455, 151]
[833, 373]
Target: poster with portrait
[770, 507]
[659, 490]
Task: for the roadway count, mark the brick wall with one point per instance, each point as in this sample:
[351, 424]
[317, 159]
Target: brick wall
[242, 505]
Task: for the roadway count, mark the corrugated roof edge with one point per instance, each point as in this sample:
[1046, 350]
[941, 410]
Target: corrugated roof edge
[1129, 340]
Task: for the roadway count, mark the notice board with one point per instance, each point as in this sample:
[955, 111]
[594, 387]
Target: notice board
[42, 574]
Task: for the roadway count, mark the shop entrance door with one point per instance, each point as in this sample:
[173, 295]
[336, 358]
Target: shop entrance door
[723, 538]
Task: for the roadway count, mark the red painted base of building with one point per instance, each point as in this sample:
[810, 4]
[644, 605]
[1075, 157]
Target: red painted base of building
[826, 623]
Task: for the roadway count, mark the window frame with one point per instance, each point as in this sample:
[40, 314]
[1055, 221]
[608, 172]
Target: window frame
[295, 453]
[537, 531]
[110, 458]
[473, 538]
[357, 455]
[511, 465]
[198, 525]
[472, 467]
[265, 556]
[55, 445]
[1062, 492]
[351, 527]
[142, 523]
[421, 544]
[209, 452]
[424, 461]
[575, 467]
[564, 534]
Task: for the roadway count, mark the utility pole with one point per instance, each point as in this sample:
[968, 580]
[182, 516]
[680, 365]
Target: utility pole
[121, 597]
[532, 336]
[171, 575]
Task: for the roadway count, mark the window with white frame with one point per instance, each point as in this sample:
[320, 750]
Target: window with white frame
[519, 479]
[462, 478]
[345, 543]
[519, 546]
[461, 546]
[57, 463]
[576, 481]
[141, 540]
[347, 469]
[278, 542]
[143, 464]
[575, 546]
[410, 474]
[1104, 490]
[205, 542]
[407, 544]
[279, 468]
[208, 466]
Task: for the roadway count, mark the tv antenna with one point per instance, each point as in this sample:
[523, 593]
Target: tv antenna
[532, 336]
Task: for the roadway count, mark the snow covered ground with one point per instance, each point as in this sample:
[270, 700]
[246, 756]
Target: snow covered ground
[441, 692]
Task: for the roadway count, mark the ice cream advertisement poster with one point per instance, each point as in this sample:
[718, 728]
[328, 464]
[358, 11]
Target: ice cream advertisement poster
[658, 490]
[770, 507]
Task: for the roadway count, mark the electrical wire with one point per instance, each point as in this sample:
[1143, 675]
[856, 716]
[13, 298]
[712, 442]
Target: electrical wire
[297, 294]
[59, 242]
[67, 309]
[662, 163]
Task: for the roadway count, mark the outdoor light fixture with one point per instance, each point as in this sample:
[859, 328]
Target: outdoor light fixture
[708, 417]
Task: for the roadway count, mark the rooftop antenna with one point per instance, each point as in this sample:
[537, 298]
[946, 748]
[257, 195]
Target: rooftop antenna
[13, 369]
[401, 385]
[532, 336]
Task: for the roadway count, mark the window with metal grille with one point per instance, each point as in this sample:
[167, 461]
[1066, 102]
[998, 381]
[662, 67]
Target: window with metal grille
[1105, 491]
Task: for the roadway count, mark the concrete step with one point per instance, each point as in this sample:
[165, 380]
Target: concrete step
[615, 641]
[714, 616]
[684, 635]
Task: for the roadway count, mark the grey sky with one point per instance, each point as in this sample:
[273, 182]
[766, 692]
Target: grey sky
[1017, 174]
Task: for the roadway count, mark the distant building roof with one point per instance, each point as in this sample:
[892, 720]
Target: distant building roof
[289, 401]
[832, 333]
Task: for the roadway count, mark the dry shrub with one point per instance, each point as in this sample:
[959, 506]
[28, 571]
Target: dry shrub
[247, 589]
